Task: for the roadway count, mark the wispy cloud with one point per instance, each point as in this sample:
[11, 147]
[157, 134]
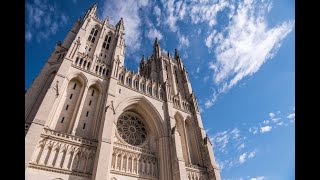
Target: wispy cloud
[183, 41]
[205, 79]
[258, 178]
[129, 11]
[241, 146]
[157, 13]
[221, 140]
[246, 45]
[252, 154]
[265, 129]
[272, 115]
[207, 11]
[210, 102]
[43, 18]
[242, 158]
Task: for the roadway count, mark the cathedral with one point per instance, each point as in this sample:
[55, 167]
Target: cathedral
[88, 117]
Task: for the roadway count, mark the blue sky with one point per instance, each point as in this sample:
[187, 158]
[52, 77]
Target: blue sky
[240, 57]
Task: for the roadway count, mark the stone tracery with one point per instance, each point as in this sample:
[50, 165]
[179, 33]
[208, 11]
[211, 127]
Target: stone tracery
[131, 129]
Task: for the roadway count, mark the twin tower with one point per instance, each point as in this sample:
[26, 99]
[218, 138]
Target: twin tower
[88, 117]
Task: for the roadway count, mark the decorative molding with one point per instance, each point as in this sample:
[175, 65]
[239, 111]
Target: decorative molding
[39, 122]
[56, 170]
[69, 138]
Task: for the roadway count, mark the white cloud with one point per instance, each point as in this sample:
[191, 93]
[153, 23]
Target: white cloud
[198, 70]
[291, 116]
[258, 178]
[43, 18]
[241, 146]
[221, 140]
[210, 102]
[205, 79]
[242, 158]
[275, 119]
[153, 33]
[171, 18]
[157, 13]
[206, 11]
[280, 124]
[28, 35]
[247, 44]
[183, 41]
[129, 11]
[251, 155]
[201, 109]
[253, 130]
[209, 40]
[265, 129]
[235, 133]
[266, 122]
[272, 115]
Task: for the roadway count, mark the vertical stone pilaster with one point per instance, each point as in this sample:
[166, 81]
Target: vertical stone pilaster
[164, 159]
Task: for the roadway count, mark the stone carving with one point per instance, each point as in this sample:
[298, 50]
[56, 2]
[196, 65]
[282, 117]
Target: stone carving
[131, 129]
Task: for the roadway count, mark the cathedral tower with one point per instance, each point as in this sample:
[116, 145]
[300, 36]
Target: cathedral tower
[88, 117]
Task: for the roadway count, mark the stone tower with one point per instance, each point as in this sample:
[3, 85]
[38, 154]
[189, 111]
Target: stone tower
[89, 117]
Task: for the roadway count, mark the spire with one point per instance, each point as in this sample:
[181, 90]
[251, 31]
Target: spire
[176, 54]
[142, 62]
[120, 25]
[156, 43]
[91, 10]
[93, 7]
[156, 48]
[169, 55]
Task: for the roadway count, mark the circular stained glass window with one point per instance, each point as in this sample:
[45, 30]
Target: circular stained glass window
[131, 129]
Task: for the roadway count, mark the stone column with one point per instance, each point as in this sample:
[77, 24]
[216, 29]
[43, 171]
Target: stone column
[121, 162]
[52, 156]
[138, 166]
[66, 160]
[45, 154]
[102, 164]
[37, 153]
[77, 113]
[164, 168]
[60, 158]
[178, 149]
[116, 162]
[127, 164]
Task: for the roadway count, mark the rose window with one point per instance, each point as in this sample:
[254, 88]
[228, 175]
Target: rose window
[131, 129]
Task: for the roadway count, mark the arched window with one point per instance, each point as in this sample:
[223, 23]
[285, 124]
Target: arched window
[129, 81]
[149, 90]
[93, 34]
[106, 42]
[155, 91]
[137, 84]
[161, 95]
[77, 60]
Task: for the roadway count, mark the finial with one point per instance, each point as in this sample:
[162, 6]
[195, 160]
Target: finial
[176, 54]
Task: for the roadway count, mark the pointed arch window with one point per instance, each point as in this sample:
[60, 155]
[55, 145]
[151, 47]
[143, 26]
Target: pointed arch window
[93, 34]
[106, 43]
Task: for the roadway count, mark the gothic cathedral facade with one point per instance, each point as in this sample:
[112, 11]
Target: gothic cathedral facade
[88, 117]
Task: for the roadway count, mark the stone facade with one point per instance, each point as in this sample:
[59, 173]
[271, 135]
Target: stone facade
[89, 117]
